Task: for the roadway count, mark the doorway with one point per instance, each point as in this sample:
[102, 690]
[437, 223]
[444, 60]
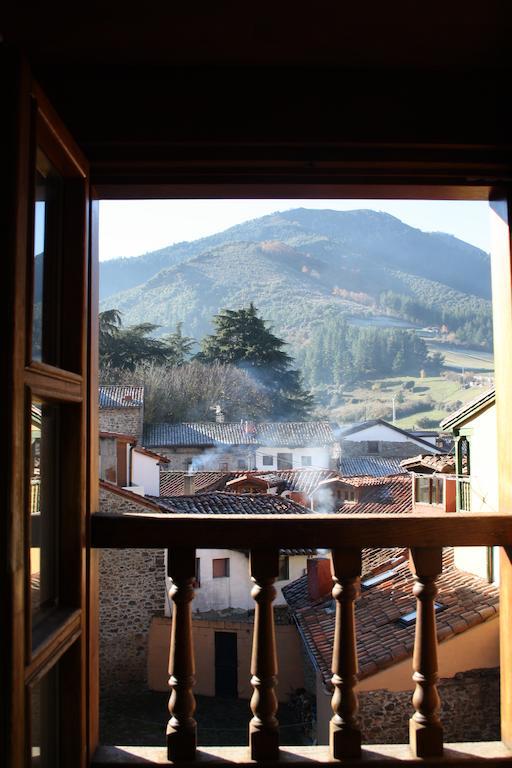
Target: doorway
[226, 664]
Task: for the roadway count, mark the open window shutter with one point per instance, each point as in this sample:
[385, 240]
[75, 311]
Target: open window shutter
[46, 420]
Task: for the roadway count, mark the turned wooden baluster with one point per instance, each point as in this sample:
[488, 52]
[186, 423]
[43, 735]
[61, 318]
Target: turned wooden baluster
[344, 733]
[263, 728]
[425, 729]
[181, 728]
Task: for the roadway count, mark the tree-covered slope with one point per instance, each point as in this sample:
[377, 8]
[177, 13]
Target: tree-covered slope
[300, 268]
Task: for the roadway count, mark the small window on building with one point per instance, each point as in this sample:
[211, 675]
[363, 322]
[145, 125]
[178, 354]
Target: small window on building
[284, 568]
[305, 461]
[437, 490]
[422, 490]
[220, 567]
[409, 618]
[242, 464]
[285, 461]
[268, 461]
[223, 466]
[380, 578]
[197, 582]
[429, 490]
[373, 446]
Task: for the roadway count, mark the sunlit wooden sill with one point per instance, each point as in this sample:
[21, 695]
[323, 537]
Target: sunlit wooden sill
[454, 754]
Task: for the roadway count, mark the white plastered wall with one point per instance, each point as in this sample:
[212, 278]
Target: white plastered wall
[484, 487]
[320, 456]
[146, 472]
[233, 591]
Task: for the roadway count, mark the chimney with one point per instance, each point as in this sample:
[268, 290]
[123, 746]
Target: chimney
[219, 416]
[189, 484]
[319, 577]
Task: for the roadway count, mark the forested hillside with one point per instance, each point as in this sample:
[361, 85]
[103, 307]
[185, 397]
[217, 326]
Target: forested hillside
[306, 269]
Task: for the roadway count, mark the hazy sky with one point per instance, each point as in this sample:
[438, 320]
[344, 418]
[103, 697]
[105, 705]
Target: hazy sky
[134, 227]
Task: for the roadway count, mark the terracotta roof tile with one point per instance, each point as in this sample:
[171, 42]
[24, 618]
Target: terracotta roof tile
[443, 462]
[381, 495]
[466, 601]
[303, 480]
[172, 483]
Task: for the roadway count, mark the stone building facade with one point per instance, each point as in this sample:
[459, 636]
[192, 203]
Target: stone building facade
[121, 409]
[132, 593]
[387, 448]
[126, 421]
[470, 710]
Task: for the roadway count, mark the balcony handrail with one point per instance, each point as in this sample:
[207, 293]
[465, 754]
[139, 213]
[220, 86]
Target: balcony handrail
[288, 531]
[424, 533]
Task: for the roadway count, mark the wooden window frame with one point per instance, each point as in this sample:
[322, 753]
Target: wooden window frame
[501, 265]
[394, 171]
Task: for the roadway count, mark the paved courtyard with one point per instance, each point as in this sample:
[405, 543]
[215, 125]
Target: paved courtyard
[140, 717]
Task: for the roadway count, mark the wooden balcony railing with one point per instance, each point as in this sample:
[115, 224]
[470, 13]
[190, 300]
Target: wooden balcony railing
[464, 494]
[424, 534]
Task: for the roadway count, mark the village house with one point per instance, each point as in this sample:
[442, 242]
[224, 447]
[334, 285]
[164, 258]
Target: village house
[121, 409]
[466, 608]
[128, 465]
[474, 428]
[223, 603]
[134, 646]
[379, 438]
[245, 445]
[466, 481]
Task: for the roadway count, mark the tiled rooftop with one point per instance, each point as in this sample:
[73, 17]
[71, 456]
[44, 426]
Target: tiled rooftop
[220, 503]
[466, 601]
[346, 431]
[115, 396]
[444, 463]
[286, 434]
[381, 495]
[172, 483]
[304, 480]
[377, 466]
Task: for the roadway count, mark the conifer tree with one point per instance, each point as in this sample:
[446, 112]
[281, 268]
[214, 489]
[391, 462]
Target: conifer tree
[242, 338]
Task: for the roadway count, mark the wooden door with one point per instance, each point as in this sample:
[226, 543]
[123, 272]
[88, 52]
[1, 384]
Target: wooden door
[45, 423]
[226, 664]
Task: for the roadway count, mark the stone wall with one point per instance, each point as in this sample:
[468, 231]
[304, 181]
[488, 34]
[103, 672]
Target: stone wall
[132, 592]
[400, 450]
[127, 421]
[470, 710]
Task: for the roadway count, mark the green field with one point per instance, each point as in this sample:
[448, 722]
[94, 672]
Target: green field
[458, 359]
[374, 399]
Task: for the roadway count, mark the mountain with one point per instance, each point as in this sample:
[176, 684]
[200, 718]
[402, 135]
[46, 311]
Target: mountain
[300, 267]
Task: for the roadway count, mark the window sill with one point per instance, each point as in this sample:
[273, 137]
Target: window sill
[454, 754]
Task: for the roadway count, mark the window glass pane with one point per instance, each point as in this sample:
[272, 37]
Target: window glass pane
[220, 567]
[423, 490]
[47, 248]
[44, 708]
[268, 461]
[284, 572]
[44, 507]
[285, 461]
[437, 491]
